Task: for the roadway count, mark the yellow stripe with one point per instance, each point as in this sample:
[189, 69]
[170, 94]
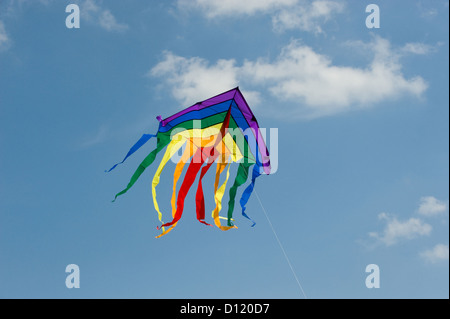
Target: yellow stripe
[218, 195]
[172, 148]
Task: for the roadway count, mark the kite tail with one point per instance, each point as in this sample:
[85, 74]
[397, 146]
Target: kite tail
[173, 147]
[218, 195]
[199, 197]
[189, 178]
[248, 192]
[162, 142]
[241, 178]
[144, 139]
[176, 176]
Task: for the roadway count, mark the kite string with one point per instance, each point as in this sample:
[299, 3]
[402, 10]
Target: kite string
[281, 245]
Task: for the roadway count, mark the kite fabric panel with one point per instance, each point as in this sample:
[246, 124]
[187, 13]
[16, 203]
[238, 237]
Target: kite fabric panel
[221, 130]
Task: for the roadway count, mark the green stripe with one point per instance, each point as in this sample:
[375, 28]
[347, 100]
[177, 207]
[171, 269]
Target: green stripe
[162, 142]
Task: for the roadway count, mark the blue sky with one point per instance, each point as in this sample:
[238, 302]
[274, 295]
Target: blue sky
[362, 118]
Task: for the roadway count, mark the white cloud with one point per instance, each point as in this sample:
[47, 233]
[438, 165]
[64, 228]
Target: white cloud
[396, 230]
[193, 79]
[215, 8]
[4, 38]
[307, 82]
[418, 48]
[430, 206]
[92, 12]
[427, 9]
[438, 253]
[308, 17]
[108, 22]
[11, 7]
[321, 88]
[286, 14]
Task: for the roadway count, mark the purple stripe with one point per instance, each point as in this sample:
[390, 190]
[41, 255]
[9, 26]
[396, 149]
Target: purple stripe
[201, 105]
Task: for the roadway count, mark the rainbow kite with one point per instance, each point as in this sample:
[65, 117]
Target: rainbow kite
[221, 129]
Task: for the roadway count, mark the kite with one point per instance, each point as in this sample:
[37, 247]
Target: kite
[221, 130]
